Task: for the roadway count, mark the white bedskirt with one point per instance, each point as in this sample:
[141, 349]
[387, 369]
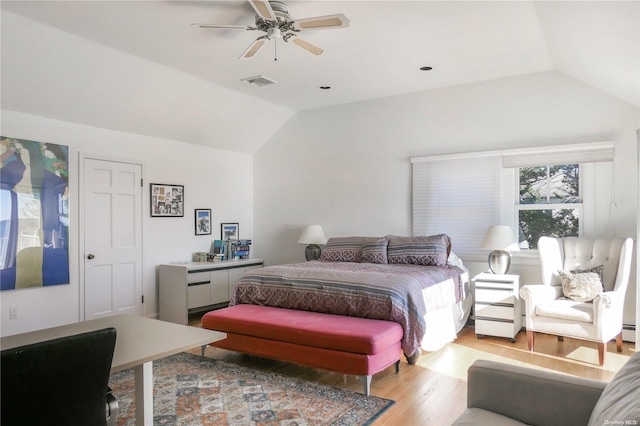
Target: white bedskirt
[443, 325]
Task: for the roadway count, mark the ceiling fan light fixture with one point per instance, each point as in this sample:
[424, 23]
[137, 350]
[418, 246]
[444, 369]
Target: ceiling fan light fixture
[259, 81]
[274, 32]
[272, 17]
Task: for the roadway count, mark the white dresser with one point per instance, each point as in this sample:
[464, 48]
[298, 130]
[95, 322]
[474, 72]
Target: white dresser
[188, 287]
[497, 309]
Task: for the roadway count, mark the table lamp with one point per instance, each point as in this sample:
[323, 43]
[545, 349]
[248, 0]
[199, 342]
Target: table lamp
[499, 238]
[312, 235]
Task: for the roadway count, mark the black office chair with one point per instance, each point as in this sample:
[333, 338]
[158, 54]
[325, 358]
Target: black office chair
[59, 382]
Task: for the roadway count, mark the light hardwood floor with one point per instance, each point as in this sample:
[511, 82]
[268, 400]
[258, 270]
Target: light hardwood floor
[434, 391]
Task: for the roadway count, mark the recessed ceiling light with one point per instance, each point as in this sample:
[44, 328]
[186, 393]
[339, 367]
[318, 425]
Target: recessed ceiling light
[426, 68]
[325, 87]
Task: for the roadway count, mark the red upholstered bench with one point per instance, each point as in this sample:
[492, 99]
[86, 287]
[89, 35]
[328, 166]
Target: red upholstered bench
[342, 344]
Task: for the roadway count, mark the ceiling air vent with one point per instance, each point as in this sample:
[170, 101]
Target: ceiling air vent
[259, 81]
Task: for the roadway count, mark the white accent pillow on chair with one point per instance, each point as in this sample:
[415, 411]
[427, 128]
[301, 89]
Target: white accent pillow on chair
[581, 286]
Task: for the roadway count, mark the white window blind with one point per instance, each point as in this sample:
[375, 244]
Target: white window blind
[458, 196]
[561, 154]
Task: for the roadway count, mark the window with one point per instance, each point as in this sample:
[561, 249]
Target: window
[463, 194]
[457, 196]
[548, 202]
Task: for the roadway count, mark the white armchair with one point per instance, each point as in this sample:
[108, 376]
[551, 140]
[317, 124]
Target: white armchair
[547, 311]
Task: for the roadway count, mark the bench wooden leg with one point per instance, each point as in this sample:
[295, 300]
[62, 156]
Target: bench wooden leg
[366, 383]
[202, 349]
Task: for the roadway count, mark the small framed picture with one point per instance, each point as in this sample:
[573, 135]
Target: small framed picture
[167, 200]
[229, 231]
[203, 221]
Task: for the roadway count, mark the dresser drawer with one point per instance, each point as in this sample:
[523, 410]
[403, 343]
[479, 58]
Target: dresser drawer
[495, 296]
[198, 277]
[494, 312]
[198, 295]
[496, 328]
[495, 285]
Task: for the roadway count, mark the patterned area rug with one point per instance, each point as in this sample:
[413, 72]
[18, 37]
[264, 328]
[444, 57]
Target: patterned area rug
[191, 390]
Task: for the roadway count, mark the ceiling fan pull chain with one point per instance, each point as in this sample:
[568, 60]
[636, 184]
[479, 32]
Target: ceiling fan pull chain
[275, 49]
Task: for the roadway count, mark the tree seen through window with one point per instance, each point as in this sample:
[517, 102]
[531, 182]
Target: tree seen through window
[549, 203]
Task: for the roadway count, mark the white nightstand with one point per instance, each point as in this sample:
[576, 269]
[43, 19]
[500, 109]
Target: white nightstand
[498, 311]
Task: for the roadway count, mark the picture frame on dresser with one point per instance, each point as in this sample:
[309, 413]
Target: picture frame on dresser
[229, 231]
[202, 221]
[166, 200]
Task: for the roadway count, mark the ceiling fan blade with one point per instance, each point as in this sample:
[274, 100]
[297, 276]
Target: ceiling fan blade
[228, 27]
[308, 46]
[263, 9]
[253, 48]
[321, 22]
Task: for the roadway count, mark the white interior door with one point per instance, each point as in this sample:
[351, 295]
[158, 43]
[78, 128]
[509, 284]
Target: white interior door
[112, 213]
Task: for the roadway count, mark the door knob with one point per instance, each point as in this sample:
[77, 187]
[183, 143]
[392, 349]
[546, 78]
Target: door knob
[90, 256]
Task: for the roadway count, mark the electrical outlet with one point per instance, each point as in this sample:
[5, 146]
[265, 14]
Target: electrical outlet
[13, 313]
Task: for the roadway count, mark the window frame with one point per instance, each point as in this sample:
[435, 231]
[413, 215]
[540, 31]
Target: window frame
[518, 207]
[597, 178]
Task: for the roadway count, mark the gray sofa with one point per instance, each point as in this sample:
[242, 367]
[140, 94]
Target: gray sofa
[502, 394]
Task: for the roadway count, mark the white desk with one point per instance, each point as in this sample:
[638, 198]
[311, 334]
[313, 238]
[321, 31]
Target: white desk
[139, 341]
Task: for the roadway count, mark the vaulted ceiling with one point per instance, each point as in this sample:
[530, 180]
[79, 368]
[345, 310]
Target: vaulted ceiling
[378, 55]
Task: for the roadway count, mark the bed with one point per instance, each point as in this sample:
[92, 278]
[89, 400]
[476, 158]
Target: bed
[415, 281]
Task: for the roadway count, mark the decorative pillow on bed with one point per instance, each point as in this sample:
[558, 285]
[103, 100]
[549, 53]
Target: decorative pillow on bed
[375, 251]
[581, 286]
[433, 250]
[342, 249]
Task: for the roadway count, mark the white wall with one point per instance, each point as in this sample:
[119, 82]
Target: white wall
[215, 179]
[55, 74]
[347, 168]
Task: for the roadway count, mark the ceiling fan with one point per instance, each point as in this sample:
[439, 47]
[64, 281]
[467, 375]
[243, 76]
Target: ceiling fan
[273, 18]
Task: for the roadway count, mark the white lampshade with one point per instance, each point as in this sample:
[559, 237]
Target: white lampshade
[312, 234]
[499, 237]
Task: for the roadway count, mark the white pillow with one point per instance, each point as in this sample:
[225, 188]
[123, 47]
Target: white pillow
[581, 286]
